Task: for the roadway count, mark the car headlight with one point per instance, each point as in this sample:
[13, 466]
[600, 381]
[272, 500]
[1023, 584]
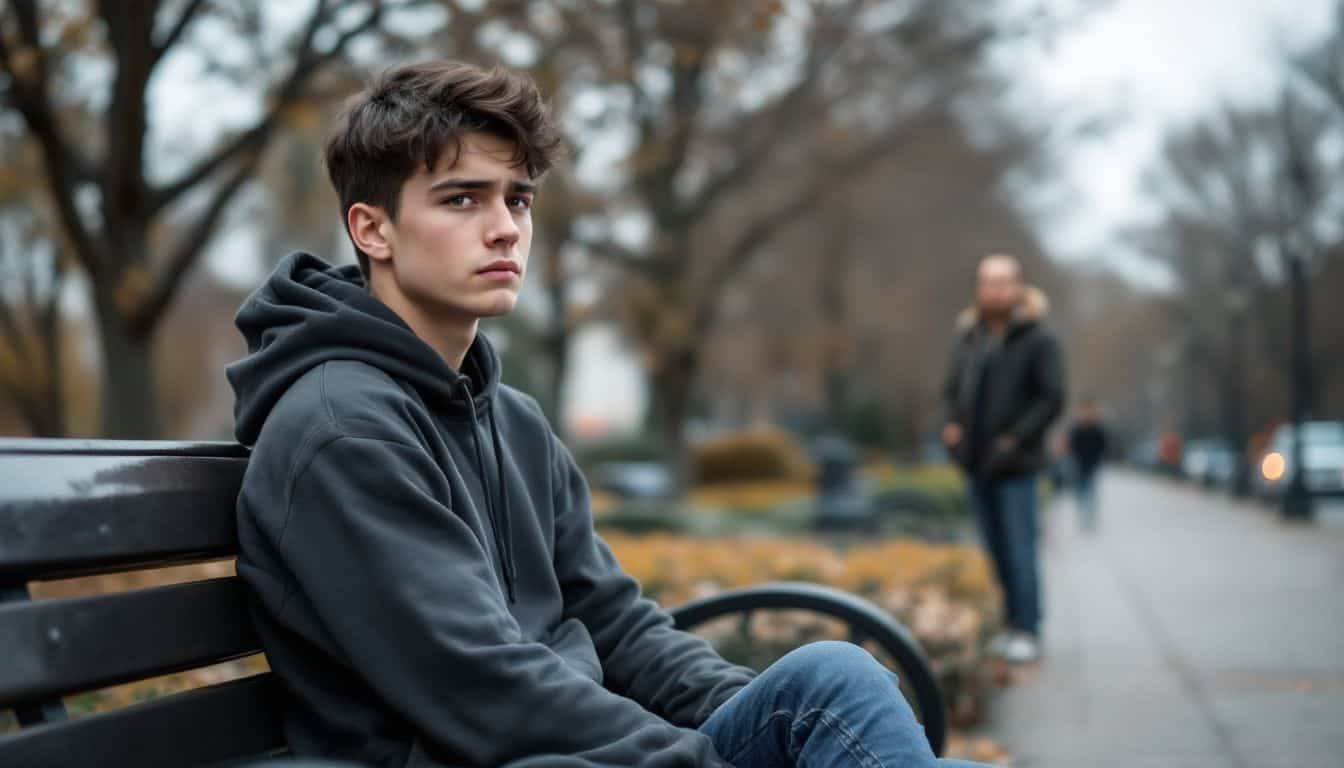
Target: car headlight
[1272, 466]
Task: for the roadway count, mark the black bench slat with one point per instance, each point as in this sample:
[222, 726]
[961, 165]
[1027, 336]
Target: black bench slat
[74, 514]
[56, 647]
[44, 446]
[206, 726]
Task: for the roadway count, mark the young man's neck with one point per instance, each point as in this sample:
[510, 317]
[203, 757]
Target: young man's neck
[451, 337]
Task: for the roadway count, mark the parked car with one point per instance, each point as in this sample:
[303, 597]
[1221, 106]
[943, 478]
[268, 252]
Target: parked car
[1210, 461]
[1322, 460]
[1144, 455]
[633, 480]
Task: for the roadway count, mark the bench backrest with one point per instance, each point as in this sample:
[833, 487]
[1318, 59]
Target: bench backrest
[71, 508]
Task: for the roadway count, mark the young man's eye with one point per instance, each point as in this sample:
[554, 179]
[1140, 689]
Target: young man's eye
[458, 201]
[520, 203]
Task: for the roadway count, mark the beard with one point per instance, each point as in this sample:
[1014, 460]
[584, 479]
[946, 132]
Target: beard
[995, 313]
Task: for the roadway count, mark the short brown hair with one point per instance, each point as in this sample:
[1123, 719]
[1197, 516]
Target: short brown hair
[413, 113]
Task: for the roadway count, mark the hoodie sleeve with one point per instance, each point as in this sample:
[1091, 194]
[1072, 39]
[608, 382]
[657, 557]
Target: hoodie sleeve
[405, 590]
[1048, 380]
[674, 673]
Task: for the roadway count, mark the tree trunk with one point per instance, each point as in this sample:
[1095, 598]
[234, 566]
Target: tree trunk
[557, 351]
[832, 302]
[1234, 404]
[669, 406]
[129, 398]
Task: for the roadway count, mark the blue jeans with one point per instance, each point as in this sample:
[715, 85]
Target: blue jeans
[1006, 512]
[825, 705]
[1085, 486]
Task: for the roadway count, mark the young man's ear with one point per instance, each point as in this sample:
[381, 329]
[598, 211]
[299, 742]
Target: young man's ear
[368, 226]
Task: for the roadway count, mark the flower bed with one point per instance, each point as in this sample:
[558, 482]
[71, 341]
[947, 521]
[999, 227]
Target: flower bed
[945, 594]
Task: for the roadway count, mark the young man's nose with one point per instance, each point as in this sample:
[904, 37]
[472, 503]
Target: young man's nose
[502, 230]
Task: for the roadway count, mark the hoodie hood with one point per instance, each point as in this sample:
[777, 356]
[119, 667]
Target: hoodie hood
[309, 312]
[1033, 308]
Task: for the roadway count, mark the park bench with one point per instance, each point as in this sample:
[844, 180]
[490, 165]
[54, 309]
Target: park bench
[74, 508]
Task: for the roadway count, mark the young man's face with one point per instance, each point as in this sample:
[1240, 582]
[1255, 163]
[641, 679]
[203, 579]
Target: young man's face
[459, 245]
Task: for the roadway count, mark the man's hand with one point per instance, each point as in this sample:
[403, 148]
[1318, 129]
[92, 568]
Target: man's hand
[951, 434]
[1006, 443]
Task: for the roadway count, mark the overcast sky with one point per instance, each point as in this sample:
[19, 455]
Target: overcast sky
[1154, 63]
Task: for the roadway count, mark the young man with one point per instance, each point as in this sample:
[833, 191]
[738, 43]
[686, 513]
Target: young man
[1004, 387]
[428, 585]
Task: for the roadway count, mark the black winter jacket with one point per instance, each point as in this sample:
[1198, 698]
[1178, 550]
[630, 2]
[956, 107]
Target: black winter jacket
[1023, 391]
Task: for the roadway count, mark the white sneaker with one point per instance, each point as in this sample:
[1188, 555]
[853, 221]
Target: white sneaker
[1021, 648]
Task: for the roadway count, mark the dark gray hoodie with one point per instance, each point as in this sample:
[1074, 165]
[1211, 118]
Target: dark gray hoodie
[428, 584]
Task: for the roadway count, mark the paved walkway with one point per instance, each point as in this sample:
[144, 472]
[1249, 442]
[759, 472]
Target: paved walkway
[1189, 631]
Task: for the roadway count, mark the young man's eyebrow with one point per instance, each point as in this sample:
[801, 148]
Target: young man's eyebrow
[473, 184]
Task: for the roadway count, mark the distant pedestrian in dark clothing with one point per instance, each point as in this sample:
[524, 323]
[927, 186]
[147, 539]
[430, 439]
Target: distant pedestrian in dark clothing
[1087, 446]
[1004, 387]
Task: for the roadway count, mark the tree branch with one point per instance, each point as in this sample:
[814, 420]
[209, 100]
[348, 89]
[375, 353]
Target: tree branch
[129, 30]
[625, 259]
[188, 248]
[65, 166]
[781, 116]
[175, 34]
[306, 62]
[635, 43]
[778, 118]
[741, 253]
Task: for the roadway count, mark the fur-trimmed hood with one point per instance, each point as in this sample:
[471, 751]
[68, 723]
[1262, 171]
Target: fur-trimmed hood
[1033, 308]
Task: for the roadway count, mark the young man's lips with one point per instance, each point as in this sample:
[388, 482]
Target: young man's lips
[501, 268]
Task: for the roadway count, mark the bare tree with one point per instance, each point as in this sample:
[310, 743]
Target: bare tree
[740, 115]
[1244, 191]
[133, 237]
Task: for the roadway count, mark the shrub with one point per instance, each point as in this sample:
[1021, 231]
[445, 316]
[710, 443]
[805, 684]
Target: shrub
[755, 455]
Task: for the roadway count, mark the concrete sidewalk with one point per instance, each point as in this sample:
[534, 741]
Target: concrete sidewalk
[1188, 631]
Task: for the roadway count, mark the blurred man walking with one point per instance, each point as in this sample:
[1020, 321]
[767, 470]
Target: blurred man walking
[1087, 447]
[1004, 387]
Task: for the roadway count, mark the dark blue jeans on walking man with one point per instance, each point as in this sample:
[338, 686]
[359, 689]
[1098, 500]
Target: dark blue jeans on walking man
[1085, 490]
[1006, 513]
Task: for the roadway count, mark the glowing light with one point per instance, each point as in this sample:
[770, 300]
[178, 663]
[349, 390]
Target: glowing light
[1272, 466]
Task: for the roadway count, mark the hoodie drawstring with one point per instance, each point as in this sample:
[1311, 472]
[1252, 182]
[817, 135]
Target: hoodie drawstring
[511, 569]
[499, 520]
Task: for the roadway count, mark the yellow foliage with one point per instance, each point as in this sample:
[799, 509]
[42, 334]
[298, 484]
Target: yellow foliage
[945, 594]
[750, 496]
[886, 473]
[678, 568]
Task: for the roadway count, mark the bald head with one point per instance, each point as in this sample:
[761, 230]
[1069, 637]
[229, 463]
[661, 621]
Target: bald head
[998, 285]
